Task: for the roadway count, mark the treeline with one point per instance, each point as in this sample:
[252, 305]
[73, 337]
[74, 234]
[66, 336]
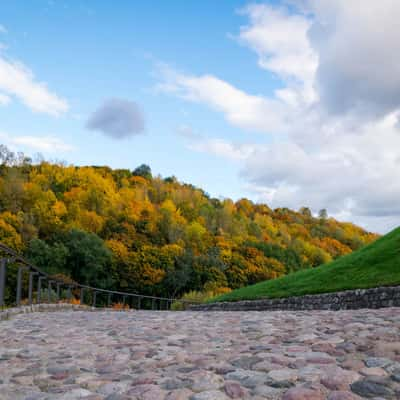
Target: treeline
[131, 231]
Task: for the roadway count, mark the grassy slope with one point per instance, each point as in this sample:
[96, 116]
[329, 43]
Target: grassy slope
[377, 264]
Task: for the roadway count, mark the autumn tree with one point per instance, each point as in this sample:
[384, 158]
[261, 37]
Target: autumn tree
[131, 230]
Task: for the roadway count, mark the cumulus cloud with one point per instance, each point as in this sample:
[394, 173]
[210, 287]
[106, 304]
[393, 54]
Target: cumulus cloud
[251, 112]
[353, 172]
[358, 49]
[117, 118]
[17, 80]
[281, 41]
[45, 144]
[216, 146]
[4, 100]
[222, 148]
[336, 116]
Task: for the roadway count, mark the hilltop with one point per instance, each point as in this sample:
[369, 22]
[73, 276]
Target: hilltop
[377, 264]
[130, 230]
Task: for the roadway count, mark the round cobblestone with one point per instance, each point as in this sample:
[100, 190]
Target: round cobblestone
[144, 355]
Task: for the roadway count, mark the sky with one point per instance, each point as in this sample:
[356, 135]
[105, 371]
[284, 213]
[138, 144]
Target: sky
[291, 103]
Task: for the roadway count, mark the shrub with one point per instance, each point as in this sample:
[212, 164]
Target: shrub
[197, 297]
[120, 306]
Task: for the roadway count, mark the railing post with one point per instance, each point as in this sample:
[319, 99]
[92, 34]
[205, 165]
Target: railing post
[21, 269]
[109, 299]
[69, 293]
[3, 267]
[153, 304]
[30, 291]
[94, 298]
[39, 288]
[123, 300]
[58, 291]
[49, 291]
[139, 299]
[81, 296]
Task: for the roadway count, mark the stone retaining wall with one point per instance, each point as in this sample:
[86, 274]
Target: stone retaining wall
[44, 307]
[346, 300]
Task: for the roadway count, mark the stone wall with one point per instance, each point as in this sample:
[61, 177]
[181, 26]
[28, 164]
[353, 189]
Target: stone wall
[8, 313]
[346, 300]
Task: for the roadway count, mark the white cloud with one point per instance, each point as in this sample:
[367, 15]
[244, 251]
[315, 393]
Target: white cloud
[337, 113]
[281, 41]
[216, 146]
[3, 29]
[359, 55]
[18, 81]
[45, 144]
[223, 148]
[4, 100]
[247, 111]
[351, 169]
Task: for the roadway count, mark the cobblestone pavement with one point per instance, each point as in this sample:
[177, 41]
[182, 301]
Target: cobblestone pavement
[144, 355]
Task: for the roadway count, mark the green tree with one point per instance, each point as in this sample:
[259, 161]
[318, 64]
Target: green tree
[49, 258]
[88, 259]
[323, 214]
[143, 171]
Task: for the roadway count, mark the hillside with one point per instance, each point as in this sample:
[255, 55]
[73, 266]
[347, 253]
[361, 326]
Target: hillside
[130, 230]
[377, 264]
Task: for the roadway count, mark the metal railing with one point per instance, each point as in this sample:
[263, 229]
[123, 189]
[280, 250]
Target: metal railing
[55, 288]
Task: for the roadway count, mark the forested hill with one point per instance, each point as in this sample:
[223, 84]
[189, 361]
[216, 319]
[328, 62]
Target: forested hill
[132, 231]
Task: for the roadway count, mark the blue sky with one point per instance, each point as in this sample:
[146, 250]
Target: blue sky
[90, 51]
[242, 99]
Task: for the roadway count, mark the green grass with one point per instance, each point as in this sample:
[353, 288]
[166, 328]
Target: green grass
[377, 264]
